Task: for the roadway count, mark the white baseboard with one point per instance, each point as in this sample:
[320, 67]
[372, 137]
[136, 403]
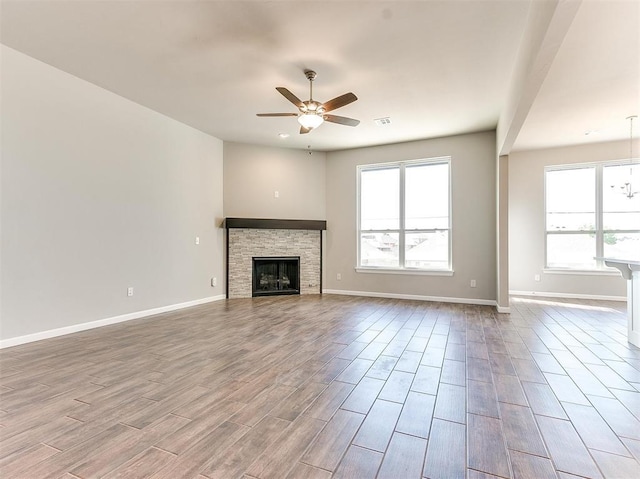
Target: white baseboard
[52, 333]
[416, 297]
[503, 309]
[546, 294]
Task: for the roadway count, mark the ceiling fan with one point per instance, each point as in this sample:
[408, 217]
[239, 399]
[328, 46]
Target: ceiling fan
[313, 113]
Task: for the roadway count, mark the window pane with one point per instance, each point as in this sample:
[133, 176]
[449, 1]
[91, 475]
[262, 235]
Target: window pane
[427, 196]
[379, 249]
[622, 245]
[571, 199]
[571, 251]
[620, 207]
[427, 250]
[380, 199]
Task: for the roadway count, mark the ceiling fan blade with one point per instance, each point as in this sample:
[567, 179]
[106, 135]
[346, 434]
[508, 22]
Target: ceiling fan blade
[304, 130]
[341, 120]
[339, 101]
[290, 96]
[276, 114]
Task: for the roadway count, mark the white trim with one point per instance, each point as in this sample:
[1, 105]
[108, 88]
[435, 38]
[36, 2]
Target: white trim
[599, 297]
[415, 297]
[423, 272]
[503, 309]
[52, 333]
[582, 272]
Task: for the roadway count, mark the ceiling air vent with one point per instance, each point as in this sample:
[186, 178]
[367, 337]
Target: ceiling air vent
[382, 121]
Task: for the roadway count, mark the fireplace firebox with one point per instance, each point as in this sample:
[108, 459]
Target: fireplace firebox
[276, 275]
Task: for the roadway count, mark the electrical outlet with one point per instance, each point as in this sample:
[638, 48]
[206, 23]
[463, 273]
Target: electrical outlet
[276, 194]
[339, 277]
[130, 291]
[197, 239]
[214, 281]
[536, 277]
[473, 283]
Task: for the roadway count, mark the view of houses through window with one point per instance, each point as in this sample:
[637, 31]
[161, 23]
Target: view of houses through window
[592, 211]
[404, 215]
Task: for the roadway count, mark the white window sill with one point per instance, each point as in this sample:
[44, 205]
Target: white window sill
[417, 272]
[582, 272]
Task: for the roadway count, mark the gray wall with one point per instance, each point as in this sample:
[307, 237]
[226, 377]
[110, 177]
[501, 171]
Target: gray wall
[473, 166]
[526, 222]
[99, 194]
[252, 174]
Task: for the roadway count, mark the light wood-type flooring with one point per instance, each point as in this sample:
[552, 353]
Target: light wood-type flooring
[319, 387]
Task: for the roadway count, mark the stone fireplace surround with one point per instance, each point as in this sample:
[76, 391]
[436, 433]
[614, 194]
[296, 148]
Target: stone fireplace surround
[252, 237]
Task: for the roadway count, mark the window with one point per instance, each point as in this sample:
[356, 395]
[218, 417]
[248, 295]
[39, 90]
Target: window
[591, 211]
[404, 219]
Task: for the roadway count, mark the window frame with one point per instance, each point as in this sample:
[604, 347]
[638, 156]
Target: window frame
[599, 231]
[401, 230]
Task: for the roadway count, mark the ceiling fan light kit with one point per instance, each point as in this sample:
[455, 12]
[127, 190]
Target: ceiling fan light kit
[310, 120]
[312, 113]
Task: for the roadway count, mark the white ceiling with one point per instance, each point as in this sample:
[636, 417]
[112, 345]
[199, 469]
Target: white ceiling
[436, 68]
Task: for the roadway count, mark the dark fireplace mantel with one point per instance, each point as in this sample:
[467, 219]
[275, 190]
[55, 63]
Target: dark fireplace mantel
[275, 224]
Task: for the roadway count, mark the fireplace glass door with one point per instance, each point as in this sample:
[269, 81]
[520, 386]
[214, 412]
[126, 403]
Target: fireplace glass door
[276, 275]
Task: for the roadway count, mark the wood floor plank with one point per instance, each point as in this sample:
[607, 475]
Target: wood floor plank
[630, 399]
[397, 386]
[520, 430]
[453, 372]
[527, 370]
[329, 400]
[355, 371]
[297, 402]
[509, 390]
[446, 451]
[382, 367]
[212, 447]
[282, 455]
[69, 459]
[529, 466]
[542, 400]
[487, 450]
[142, 466]
[426, 380]
[593, 430]
[363, 395]
[252, 413]
[119, 452]
[614, 466]
[372, 351]
[378, 426]
[184, 436]
[409, 361]
[330, 371]
[547, 363]
[404, 457]
[433, 356]
[16, 464]
[565, 447]
[359, 463]
[617, 417]
[565, 389]
[303, 471]
[233, 453]
[479, 370]
[330, 445]
[417, 413]
[451, 403]
[481, 399]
